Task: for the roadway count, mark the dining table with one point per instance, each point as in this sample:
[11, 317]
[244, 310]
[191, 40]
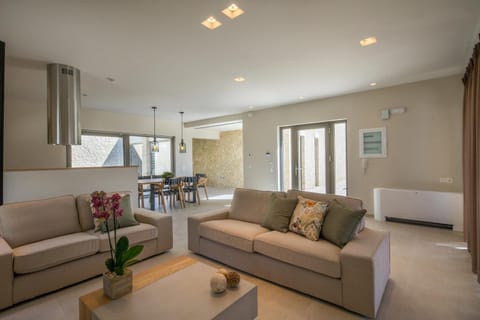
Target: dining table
[152, 182]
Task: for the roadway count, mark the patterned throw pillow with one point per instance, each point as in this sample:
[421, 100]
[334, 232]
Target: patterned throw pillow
[308, 217]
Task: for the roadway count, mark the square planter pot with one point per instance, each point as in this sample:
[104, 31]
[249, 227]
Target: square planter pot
[115, 286]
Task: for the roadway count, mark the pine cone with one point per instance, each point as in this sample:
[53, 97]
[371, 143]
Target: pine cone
[233, 279]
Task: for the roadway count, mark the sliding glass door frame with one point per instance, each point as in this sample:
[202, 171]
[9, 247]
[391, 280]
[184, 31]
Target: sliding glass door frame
[295, 154]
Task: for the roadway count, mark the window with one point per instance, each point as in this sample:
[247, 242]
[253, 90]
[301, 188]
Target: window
[105, 149]
[148, 162]
[98, 151]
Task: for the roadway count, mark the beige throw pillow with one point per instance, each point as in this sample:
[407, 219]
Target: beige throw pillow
[308, 217]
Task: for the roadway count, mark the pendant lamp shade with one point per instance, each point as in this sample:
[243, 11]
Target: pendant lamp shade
[182, 147]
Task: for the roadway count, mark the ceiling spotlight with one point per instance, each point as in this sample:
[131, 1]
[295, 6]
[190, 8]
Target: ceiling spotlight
[250, 107]
[211, 23]
[368, 41]
[233, 11]
[239, 79]
[301, 97]
[373, 84]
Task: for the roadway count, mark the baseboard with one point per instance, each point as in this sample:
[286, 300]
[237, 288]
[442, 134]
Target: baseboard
[421, 223]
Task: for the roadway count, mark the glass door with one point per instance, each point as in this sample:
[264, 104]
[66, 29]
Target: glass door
[310, 162]
[313, 158]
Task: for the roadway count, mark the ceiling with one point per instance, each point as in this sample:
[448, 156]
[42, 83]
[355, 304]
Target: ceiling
[159, 53]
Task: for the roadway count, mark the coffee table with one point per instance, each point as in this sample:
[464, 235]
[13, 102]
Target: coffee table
[178, 289]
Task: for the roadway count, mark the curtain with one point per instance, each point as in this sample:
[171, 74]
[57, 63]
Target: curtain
[471, 158]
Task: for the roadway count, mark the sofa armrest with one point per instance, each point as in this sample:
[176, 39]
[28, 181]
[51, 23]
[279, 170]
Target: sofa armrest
[194, 223]
[365, 263]
[163, 223]
[6, 274]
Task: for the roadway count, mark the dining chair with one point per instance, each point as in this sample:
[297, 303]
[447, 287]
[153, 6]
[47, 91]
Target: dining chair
[202, 183]
[175, 191]
[190, 187]
[141, 196]
[159, 189]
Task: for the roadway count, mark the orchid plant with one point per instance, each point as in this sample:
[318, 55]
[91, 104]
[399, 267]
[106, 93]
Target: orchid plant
[121, 256]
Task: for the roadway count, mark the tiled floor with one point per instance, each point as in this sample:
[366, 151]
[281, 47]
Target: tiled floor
[430, 279]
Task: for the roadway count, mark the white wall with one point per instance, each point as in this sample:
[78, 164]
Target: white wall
[26, 123]
[424, 144]
[41, 184]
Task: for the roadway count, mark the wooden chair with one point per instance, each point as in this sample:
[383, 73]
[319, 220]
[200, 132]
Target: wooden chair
[141, 196]
[159, 189]
[175, 191]
[202, 183]
[190, 187]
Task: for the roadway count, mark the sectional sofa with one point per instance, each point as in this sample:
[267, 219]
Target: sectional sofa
[49, 244]
[353, 277]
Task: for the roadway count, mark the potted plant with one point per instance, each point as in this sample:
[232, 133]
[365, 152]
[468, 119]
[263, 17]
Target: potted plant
[117, 281]
[167, 175]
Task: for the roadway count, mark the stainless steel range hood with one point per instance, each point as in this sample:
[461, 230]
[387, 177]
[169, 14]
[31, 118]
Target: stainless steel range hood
[63, 104]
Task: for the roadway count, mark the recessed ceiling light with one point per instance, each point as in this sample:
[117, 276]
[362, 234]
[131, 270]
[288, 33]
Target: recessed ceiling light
[110, 79]
[250, 107]
[301, 97]
[373, 84]
[239, 79]
[211, 23]
[368, 41]
[233, 11]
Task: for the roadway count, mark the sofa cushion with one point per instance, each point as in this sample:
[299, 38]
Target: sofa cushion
[360, 226]
[127, 218]
[233, 233]
[279, 214]
[318, 256]
[31, 221]
[51, 252]
[85, 211]
[308, 217]
[135, 234]
[347, 202]
[251, 205]
[341, 224]
[352, 203]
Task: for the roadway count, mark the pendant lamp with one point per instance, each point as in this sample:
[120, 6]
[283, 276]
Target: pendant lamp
[182, 147]
[154, 143]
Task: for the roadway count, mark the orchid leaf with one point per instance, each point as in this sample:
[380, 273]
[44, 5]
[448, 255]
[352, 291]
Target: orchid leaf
[110, 264]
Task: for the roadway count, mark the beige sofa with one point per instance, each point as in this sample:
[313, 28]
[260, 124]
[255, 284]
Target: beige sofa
[49, 244]
[353, 277]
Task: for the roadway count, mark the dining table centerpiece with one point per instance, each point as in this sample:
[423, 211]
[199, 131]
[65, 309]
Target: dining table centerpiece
[117, 281]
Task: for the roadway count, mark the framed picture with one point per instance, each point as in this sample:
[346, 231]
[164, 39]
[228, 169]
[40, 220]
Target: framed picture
[373, 143]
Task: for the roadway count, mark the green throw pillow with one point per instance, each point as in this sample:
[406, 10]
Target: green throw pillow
[279, 214]
[340, 224]
[126, 219]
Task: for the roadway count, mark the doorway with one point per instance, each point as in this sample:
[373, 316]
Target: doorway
[314, 157]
